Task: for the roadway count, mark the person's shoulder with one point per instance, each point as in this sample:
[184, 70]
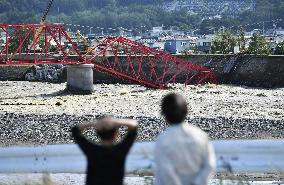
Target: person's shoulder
[162, 137]
[75, 130]
[167, 136]
[131, 134]
[195, 131]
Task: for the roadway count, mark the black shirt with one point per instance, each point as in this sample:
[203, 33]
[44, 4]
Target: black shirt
[105, 163]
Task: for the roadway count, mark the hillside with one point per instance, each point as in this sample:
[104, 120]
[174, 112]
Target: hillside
[143, 14]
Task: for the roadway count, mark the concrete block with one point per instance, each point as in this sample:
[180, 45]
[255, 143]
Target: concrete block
[80, 78]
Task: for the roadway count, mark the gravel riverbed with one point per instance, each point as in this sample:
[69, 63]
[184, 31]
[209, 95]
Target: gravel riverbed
[33, 113]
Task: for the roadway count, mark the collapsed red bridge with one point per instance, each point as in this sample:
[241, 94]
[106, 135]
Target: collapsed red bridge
[50, 44]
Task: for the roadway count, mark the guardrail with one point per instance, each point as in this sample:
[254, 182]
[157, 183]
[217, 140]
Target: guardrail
[249, 156]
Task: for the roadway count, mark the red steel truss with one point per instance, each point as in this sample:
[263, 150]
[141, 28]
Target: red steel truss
[50, 44]
[37, 44]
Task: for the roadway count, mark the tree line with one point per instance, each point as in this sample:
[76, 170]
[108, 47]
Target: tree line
[225, 42]
[133, 13]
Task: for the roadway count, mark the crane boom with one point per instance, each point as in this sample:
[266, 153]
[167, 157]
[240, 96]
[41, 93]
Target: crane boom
[43, 18]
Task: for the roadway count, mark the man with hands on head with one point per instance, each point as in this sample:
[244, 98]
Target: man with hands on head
[106, 161]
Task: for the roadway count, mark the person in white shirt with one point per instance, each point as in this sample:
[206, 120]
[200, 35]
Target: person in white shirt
[183, 154]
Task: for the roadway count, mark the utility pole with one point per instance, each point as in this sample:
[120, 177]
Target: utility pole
[58, 10]
[91, 30]
[263, 28]
[223, 29]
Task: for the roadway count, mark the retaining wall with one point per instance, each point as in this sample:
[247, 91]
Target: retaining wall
[250, 70]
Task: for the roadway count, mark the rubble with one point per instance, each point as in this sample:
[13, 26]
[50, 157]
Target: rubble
[45, 73]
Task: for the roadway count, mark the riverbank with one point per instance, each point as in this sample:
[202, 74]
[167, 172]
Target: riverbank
[43, 113]
[35, 113]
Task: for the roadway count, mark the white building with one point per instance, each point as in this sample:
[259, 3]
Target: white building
[2, 37]
[156, 31]
[279, 32]
[204, 43]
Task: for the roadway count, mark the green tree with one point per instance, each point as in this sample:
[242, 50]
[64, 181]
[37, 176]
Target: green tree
[13, 45]
[25, 39]
[279, 50]
[223, 43]
[149, 12]
[258, 45]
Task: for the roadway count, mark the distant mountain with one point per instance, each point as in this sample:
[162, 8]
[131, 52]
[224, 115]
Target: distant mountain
[140, 15]
[212, 7]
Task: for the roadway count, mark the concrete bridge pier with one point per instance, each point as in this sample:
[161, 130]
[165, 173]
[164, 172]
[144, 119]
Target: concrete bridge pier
[80, 78]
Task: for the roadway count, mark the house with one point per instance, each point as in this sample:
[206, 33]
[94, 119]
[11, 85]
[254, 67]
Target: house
[2, 37]
[203, 44]
[159, 45]
[279, 32]
[156, 31]
[274, 41]
[179, 45]
[153, 42]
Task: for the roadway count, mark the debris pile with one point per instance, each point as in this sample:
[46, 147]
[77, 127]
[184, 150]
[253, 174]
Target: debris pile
[45, 73]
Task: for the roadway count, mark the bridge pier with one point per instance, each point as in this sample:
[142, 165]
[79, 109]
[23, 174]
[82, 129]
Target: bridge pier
[80, 78]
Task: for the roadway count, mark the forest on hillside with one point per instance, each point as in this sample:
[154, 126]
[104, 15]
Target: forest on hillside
[134, 14]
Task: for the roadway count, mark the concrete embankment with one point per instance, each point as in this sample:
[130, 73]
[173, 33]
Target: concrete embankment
[14, 72]
[249, 70]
